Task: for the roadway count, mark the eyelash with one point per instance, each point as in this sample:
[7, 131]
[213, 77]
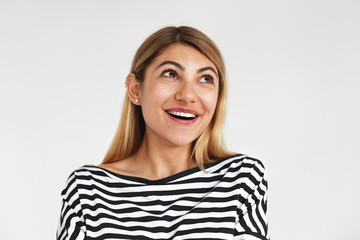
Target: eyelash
[210, 78]
[168, 71]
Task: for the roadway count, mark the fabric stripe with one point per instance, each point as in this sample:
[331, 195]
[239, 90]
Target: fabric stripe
[228, 201]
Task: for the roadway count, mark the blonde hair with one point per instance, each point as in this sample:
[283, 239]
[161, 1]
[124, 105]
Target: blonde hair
[209, 146]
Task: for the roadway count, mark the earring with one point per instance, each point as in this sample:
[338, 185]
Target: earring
[136, 100]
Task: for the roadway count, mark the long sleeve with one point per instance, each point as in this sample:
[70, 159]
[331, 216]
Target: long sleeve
[71, 225]
[252, 220]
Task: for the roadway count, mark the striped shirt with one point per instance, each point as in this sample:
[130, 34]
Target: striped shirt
[228, 201]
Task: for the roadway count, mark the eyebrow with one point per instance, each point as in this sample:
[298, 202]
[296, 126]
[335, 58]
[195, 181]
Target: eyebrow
[207, 68]
[178, 65]
[181, 67]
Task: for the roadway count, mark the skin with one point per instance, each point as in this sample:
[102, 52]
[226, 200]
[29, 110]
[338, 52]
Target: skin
[181, 78]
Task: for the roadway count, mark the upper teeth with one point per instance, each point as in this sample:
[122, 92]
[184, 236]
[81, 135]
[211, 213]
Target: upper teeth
[182, 114]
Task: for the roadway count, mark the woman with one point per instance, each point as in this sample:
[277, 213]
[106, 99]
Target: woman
[167, 174]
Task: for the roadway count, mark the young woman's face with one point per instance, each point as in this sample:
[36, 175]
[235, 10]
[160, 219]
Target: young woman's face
[179, 95]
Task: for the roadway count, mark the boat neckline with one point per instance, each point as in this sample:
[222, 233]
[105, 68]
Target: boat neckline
[165, 179]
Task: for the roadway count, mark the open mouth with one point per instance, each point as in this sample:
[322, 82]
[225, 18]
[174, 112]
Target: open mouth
[181, 115]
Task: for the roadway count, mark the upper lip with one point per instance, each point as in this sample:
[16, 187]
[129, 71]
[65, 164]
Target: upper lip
[184, 110]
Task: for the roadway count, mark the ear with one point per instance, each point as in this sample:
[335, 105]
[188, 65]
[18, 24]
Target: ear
[133, 88]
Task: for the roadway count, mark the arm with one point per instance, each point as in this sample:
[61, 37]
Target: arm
[252, 221]
[71, 225]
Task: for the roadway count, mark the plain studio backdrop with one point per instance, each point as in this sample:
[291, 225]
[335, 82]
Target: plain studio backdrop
[293, 71]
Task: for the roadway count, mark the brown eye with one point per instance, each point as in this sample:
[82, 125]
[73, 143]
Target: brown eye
[207, 79]
[170, 74]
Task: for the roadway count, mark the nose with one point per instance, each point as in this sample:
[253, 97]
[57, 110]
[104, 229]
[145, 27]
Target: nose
[186, 93]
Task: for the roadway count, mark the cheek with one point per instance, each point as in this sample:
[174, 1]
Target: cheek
[155, 96]
[159, 95]
[210, 101]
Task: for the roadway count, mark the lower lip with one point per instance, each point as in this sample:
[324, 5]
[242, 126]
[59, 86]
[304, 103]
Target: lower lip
[181, 120]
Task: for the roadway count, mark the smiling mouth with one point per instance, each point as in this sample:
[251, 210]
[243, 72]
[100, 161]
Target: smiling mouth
[181, 115]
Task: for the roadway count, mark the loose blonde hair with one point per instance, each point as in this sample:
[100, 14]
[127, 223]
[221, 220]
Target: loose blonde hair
[209, 146]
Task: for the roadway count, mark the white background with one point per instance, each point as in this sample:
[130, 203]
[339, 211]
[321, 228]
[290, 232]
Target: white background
[293, 69]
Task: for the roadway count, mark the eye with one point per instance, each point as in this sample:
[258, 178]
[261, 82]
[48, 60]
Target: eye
[170, 73]
[207, 79]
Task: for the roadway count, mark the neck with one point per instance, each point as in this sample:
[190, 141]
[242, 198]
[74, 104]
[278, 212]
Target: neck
[158, 160]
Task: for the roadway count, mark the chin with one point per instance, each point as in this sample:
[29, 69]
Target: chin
[182, 141]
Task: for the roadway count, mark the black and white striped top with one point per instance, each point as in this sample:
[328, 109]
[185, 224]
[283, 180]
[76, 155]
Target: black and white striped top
[227, 202]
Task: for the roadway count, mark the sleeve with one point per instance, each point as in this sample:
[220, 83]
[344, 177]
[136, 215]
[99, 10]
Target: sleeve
[252, 223]
[71, 224]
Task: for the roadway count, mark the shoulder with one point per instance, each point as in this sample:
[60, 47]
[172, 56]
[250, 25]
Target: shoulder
[242, 169]
[239, 162]
[253, 164]
[86, 172]
[83, 177]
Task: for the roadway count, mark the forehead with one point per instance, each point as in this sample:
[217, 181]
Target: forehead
[186, 55]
